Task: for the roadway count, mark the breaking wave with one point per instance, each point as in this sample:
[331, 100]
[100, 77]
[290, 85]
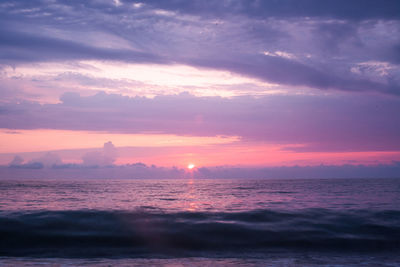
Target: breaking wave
[140, 233]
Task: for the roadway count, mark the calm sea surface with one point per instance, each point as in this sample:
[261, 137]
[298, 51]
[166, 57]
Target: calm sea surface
[335, 222]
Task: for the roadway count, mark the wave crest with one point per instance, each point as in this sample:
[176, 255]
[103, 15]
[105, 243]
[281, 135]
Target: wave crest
[94, 233]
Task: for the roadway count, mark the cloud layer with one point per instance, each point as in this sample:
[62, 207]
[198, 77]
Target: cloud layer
[142, 171]
[324, 45]
[317, 123]
[294, 76]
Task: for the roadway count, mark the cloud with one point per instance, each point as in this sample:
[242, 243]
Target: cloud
[331, 45]
[285, 8]
[104, 158]
[47, 160]
[17, 160]
[142, 171]
[304, 172]
[320, 123]
[41, 49]
[135, 171]
[29, 166]
[324, 39]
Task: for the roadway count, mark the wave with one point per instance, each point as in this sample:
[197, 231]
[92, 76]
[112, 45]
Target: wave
[93, 233]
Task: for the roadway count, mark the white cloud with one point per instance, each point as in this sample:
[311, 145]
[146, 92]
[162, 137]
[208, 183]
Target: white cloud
[280, 54]
[117, 3]
[377, 67]
[137, 5]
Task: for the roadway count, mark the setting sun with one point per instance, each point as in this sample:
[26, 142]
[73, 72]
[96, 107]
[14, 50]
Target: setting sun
[191, 166]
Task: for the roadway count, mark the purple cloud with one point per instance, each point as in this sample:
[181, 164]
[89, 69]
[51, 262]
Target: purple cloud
[142, 171]
[322, 123]
[47, 160]
[17, 161]
[340, 9]
[325, 40]
[104, 158]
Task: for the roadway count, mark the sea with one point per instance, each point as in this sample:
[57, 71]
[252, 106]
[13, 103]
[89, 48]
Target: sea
[200, 222]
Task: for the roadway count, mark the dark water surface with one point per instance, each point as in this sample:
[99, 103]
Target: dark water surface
[200, 222]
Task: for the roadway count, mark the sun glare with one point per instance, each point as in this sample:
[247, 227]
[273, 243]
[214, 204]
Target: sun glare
[191, 166]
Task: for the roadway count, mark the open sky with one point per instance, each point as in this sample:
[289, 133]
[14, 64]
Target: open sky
[212, 83]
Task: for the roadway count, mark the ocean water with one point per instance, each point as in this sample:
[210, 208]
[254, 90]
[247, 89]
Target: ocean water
[210, 222]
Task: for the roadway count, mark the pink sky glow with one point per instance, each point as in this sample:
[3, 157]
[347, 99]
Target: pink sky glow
[171, 85]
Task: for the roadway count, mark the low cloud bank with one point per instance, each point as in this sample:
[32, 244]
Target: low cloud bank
[143, 171]
[93, 159]
[100, 164]
[48, 160]
[319, 171]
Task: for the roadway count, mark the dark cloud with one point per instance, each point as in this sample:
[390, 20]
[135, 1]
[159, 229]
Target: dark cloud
[392, 53]
[324, 39]
[284, 71]
[322, 123]
[342, 9]
[25, 47]
[333, 36]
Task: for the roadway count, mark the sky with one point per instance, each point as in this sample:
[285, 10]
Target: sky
[245, 83]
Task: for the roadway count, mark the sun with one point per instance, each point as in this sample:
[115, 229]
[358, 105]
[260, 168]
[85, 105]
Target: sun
[191, 166]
